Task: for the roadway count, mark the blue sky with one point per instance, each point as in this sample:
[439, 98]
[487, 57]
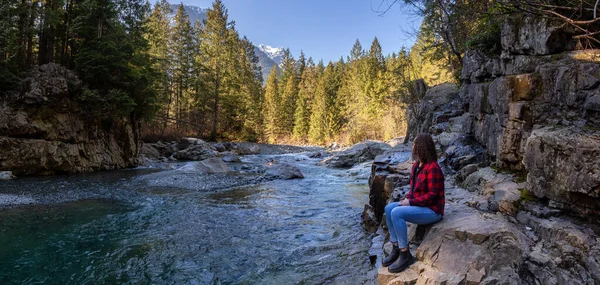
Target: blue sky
[324, 29]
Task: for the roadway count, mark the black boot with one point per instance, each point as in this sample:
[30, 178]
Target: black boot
[392, 256]
[402, 262]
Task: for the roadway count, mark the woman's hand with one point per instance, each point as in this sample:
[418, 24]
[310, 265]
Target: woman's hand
[405, 202]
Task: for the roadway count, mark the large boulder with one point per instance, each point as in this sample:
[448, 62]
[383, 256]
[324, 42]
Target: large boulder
[213, 166]
[150, 152]
[465, 247]
[187, 142]
[358, 153]
[195, 152]
[231, 158]
[247, 148]
[284, 171]
[6, 175]
[563, 166]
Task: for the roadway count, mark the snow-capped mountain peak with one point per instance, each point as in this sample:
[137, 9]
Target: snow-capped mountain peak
[274, 53]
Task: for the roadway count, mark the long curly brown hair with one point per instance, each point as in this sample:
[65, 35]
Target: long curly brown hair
[424, 149]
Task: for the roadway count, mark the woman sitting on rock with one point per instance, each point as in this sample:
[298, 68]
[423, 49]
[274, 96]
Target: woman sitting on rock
[424, 203]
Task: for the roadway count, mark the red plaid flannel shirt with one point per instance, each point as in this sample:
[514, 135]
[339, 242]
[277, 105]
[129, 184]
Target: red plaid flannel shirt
[429, 188]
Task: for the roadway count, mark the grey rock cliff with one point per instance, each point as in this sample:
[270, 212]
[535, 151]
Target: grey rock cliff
[43, 130]
[522, 139]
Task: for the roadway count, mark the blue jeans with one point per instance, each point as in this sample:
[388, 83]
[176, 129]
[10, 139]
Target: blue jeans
[396, 217]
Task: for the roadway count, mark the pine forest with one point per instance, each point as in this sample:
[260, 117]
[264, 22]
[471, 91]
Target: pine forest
[178, 78]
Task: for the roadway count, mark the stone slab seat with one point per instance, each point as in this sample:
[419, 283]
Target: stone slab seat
[466, 245]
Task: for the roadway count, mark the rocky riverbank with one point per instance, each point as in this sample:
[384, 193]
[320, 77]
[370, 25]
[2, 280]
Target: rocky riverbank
[519, 143]
[173, 222]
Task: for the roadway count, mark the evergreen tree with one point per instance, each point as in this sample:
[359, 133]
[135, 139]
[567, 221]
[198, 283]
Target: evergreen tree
[251, 91]
[353, 95]
[300, 66]
[182, 63]
[334, 105]
[158, 36]
[356, 52]
[288, 68]
[308, 85]
[375, 67]
[376, 59]
[112, 56]
[270, 107]
[216, 52]
[319, 123]
[288, 105]
[8, 46]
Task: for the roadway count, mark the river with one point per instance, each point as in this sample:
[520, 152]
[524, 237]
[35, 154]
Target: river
[162, 226]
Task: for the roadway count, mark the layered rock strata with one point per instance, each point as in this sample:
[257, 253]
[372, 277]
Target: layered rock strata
[44, 130]
[521, 141]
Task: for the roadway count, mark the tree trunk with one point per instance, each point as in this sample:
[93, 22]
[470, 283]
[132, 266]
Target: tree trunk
[179, 95]
[22, 37]
[213, 134]
[64, 56]
[32, 17]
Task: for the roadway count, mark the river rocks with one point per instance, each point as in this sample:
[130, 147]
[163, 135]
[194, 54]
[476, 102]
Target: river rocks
[165, 149]
[465, 172]
[219, 147]
[284, 171]
[213, 166]
[187, 142]
[195, 152]
[150, 152]
[358, 153]
[389, 174]
[6, 175]
[243, 149]
[231, 158]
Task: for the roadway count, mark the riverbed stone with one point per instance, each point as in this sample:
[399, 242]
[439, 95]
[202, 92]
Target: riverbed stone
[6, 175]
[150, 152]
[187, 142]
[358, 153]
[195, 152]
[231, 158]
[213, 165]
[284, 171]
[243, 149]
